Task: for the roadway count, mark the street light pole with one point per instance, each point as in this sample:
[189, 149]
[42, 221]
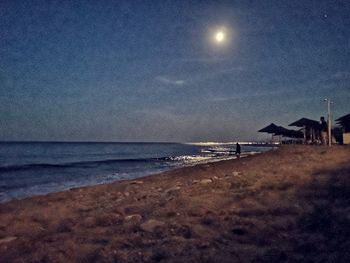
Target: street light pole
[329, 122]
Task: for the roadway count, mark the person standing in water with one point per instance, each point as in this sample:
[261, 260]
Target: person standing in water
[238, 149]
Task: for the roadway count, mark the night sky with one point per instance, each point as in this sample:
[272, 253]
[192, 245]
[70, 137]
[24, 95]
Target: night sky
[152, 71]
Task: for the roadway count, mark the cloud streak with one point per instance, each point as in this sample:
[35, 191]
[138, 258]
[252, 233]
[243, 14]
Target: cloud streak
[246, 96]
[214, 74]
[168, 81]
[198, 77]
[202, 60]
[341, 75]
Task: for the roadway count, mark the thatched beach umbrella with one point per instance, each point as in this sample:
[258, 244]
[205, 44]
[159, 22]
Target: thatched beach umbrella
[272, 128]
[284, 132]
[307, 124]
[281, 131]
[288, 133]
[295, 134]
[344, 121]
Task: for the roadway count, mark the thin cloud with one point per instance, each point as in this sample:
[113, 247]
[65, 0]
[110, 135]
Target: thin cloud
[168, 81]
[246, 96]
[341, 75]
[214, 74]
[198, 77]
[202, 59]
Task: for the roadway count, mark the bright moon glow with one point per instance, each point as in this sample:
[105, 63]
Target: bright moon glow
[220, 36]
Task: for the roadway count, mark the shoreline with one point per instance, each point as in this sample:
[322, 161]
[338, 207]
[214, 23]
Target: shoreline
[281, 205]
[146, 174]
[127, 180]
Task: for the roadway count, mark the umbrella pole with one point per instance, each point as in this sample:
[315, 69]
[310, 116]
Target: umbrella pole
[311, 135]
[271, 140]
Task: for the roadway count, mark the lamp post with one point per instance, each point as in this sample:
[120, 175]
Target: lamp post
[329, 121]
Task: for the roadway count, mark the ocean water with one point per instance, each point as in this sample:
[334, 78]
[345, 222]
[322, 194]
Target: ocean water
[34, 168]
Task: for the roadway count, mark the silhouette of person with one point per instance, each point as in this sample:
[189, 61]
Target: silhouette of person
[323, 130]
[238, 149]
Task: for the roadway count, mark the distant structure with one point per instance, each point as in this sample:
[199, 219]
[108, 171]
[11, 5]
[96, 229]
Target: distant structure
[280, 131]
[310, 132]
[311, 129]
[344, 122]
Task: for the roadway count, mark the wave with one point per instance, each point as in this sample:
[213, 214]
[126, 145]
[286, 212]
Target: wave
[209, 143]
[30, 166]
[209, 155]
[89, 164]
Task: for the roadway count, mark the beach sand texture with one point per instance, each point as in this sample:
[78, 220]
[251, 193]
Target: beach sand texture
[286, 205]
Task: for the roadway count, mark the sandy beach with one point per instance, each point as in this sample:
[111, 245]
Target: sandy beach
[287, 205]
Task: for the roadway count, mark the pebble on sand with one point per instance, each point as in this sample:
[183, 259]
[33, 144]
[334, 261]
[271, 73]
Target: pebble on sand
[136, 182]
[134, 217]
[206, 181]
[173, 189]
[7, 239]
[151, 225]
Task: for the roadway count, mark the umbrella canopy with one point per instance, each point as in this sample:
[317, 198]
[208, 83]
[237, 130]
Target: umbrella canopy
[344, 121]
[294, 134]
[272, 128]
[344, 118]
[289, 133]
[281, 131]
[305, 122]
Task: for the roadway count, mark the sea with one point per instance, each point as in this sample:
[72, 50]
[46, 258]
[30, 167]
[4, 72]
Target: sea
[37, 168]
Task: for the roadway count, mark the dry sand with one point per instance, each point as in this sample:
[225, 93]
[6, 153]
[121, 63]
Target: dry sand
[287, 205]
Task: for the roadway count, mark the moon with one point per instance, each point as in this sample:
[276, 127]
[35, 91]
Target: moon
[220, 36]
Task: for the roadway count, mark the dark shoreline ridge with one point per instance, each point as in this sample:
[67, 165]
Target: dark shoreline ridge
[288, 205]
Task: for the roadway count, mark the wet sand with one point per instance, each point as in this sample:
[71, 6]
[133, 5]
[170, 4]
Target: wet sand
[286, 205]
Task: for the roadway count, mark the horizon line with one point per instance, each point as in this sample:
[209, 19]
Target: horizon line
[141, 142]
